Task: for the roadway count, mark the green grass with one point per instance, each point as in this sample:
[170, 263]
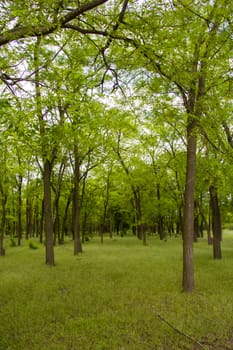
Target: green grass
[115, 296]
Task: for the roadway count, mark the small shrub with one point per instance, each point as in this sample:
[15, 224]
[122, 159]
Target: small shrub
[33, 245]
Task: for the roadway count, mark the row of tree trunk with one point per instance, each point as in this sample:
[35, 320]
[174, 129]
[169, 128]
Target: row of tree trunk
[46, 219]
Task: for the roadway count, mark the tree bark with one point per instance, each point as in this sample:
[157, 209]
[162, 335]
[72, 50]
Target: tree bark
[48, 217]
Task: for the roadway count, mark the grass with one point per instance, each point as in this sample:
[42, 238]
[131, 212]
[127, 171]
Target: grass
[117, 296]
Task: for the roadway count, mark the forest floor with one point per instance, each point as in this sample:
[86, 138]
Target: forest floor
[117, 296]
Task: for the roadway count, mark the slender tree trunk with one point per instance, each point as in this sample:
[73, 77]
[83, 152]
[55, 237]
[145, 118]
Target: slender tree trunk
[201, 228]
[76, 206]
[48, 217]
[40, 222]
[56, 223]
[65, 218]
[179, 222]
[110, 223]
[216, 222]
[207, 225]
[35, 220]
[11, 227]
[188, 264]
[196, 233]
[3, 221]
[19, 209]
[106, 201]
[136, 205]
[160, 218]
[139, 225]
[57, 192]
[56, 233]
[101, 229]
[84, 226]
[29, 222]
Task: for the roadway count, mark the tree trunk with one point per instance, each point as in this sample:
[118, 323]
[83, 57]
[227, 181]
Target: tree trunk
[106, 201]
[160, 218]
[40, 222]
[138, 215]
[57, 192]
[19, 210]
[188, 264]
[29, 222]
[180, 222]
[207, 225]
[84, 226]
[76, 207]
[216, 222]
[35, 220]
[196, 233]
[10, 227]
[3, 221]
[110, 223]
[56, 223]
[65, 217]
[101, 229]
[48, 217]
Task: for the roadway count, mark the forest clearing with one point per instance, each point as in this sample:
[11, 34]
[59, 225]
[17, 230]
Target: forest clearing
[119, 295]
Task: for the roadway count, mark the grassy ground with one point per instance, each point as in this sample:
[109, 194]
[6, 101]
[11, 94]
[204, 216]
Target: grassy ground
[118, 296]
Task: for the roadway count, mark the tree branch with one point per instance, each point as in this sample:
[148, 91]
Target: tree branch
[22, 31]
[180, 332]
[85, 31]
[207, 20]
[228, 133]
[205, 135]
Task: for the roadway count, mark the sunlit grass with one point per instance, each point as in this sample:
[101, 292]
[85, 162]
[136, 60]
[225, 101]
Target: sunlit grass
[115, 296]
